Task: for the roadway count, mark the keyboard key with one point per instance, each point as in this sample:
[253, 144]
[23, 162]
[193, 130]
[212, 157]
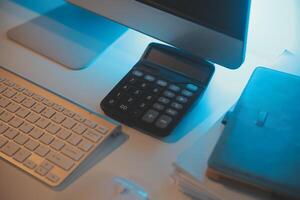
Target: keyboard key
[47, 102]
[19, 97]
[42, 123]
[28, 103]
[2, 88]
[32, 117]
[163, 121]
[79, 128]
[72, 152]
[79, 118]
[48, 113]
[19, 88]
[58, 107]
[6, 116]
[38, 108]
[26, 127]
[13, 107]
[3, 141]
[28, 92]
[58, 118]
[31, 144]
[92, 135]
[90, 123]
[53, 128]
[8, 83]
[47, 165]
[10, 148]
[9, 93]
[37, 97]
[21, 139]
[68, 123]
[85, 145]
[57, 144]
[30, 164]
[53, 177]
[11, 133]
[150, 116]
[63, 134]
[22, 155]
[16, 122]
[68, 113]
[60, 160]
[3, 128]
[42, 150]
[41, 171]
[4, 102]
[22, 112]
[74, 139]
[101, 129]
[46, 138]
[36, 133]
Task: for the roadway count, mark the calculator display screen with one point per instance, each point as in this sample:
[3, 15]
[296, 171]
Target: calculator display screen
[183, 66]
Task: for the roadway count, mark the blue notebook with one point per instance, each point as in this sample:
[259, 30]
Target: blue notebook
[260, 145]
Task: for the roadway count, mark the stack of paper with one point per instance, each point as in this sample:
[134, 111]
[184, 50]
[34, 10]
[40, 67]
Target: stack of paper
[190, 169]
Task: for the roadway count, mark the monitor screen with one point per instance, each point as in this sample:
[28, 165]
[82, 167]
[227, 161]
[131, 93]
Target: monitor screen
[214, 30]
[226, 16]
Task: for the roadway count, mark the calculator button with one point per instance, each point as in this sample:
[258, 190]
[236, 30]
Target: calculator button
[161, 83]
[149, 97]
[181, 99]
[144, 85]
[137, 73]
[177, 106]
[192, 87]
[169, 94]
[149, 78]
[150, 116]
[128, 100]
[111, 102]
[163, 121]
[142, 105]
[156, 90]
[163, 100]
[125, 87]
[137, 92]
[158, 106]
[124, 107]
[171, 112]
[187, 93]
[132, 80]
[118, 95]
[174, 88]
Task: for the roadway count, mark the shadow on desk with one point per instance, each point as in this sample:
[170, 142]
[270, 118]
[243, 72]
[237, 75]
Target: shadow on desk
[99, 154]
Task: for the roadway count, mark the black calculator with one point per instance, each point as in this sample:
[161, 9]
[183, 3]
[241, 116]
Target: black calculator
[158, 91]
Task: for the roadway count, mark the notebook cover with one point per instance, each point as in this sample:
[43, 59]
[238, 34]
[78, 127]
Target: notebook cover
[260, 144]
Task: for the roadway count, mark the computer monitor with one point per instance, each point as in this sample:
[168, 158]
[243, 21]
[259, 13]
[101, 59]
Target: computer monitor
[211, 29]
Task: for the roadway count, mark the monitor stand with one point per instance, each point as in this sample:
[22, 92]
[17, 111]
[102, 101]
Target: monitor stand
[68, 35]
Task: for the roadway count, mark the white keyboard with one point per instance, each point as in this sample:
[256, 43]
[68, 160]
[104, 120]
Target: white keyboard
[45, 134]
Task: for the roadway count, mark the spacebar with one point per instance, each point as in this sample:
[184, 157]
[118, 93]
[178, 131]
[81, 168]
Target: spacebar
[60, 160]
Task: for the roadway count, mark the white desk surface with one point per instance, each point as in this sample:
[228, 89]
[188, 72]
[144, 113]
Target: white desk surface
[141, 157]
